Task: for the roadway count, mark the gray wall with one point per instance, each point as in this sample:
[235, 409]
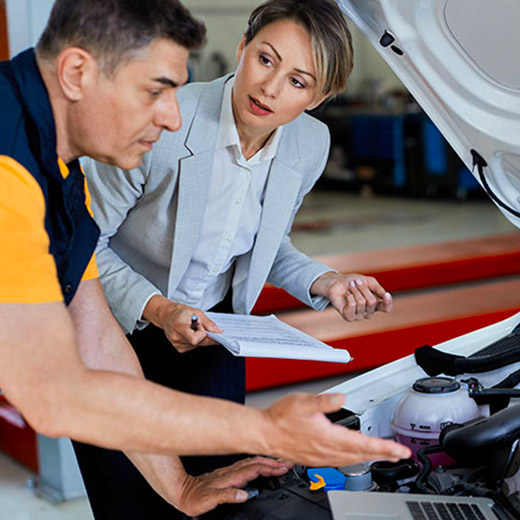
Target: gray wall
[26, 20]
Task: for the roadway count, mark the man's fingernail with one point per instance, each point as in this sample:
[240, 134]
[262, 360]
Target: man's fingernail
[242, 496]
[402, 454]
[337, 399]
[352, 283]
[359, 282]
[249, 493]
[388, 296]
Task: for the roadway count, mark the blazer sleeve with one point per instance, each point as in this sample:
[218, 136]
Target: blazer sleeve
[293, 270]
[114, 193]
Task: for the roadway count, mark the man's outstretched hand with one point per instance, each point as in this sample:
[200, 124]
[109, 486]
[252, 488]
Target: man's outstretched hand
[299, 431]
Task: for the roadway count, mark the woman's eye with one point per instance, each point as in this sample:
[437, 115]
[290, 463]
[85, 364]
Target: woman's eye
[297, 83]
[265, 60]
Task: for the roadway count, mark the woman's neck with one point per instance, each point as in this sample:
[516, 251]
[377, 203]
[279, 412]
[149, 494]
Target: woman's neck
[251, 139]
[252, 143]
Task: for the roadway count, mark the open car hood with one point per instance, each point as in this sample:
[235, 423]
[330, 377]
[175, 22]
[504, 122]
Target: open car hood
[460, 59]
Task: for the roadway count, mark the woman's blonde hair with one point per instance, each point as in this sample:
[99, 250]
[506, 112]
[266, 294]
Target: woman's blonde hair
[331, 39]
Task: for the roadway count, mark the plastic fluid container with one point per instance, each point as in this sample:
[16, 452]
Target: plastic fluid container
[425, 409]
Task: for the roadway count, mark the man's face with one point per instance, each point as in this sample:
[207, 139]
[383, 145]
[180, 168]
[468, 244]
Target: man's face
[120, 116]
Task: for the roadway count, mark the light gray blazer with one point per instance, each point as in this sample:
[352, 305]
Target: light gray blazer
[151, 217]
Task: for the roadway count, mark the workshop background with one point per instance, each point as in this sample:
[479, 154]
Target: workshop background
[395, 202]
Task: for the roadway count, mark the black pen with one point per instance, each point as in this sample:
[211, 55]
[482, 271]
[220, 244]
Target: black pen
[194, 322]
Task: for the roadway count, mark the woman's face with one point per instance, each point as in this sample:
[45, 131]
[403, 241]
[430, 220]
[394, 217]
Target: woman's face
[275, 79]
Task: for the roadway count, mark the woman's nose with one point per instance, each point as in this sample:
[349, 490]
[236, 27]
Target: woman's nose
[271, 86]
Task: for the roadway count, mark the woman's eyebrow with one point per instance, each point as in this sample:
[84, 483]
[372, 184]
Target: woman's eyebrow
[281, 59]
[307, 73]
[274, 50]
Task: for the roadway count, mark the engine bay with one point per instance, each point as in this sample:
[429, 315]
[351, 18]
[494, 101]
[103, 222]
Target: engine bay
[456, 406]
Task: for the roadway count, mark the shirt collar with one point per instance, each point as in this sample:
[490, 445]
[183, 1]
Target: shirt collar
[228, 133]
[36, 100]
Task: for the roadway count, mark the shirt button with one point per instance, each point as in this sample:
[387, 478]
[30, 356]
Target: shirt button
[215, 270]
[238, 202]
[67, 288]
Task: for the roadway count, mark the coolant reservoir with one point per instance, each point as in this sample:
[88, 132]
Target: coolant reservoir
[425, 409]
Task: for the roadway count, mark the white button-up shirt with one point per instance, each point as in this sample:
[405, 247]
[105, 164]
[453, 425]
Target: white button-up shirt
[232, 214]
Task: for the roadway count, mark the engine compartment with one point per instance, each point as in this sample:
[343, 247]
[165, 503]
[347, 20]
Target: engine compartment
[479, 456]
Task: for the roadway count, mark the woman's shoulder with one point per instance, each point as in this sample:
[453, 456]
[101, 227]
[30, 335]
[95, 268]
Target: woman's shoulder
[199, 105]
[192, 93]
[311, 123]
[309, 132]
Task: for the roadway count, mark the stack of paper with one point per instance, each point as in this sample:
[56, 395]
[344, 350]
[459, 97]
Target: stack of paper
[267, 336]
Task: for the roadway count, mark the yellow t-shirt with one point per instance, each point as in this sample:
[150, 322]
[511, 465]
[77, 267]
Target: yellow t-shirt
[27, 270]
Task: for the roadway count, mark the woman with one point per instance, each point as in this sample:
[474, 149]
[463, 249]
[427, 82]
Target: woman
[204, 223]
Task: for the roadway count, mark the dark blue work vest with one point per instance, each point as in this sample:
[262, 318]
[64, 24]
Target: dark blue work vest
[28, 135]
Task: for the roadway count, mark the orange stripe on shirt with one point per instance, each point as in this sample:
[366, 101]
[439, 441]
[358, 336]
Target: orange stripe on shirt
[91, 271]
[27, 269]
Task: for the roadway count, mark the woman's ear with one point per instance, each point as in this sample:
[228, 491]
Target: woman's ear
[240, 48]
[317, 102]
[75, 68]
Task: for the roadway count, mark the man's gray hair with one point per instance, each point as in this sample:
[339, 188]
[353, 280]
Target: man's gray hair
[112, 30]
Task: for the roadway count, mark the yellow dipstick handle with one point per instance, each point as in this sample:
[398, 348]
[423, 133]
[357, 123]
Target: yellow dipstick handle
[317, 485]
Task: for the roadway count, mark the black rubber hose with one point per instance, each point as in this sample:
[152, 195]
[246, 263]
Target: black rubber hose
[421, 481]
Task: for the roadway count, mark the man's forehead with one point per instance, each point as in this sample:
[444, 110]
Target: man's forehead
[160, 59]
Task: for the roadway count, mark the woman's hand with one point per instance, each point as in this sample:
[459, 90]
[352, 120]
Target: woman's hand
[354, 296]
[224, 486]
[175, 320]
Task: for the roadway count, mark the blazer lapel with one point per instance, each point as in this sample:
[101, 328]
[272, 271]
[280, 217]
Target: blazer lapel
[194, 177]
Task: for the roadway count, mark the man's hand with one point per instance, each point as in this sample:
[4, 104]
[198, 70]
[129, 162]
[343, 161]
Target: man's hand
[297, 430]
[354, 296]
[198, 495]
[175, 320]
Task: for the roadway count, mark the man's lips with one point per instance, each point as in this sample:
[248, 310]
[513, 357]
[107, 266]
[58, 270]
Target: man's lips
[147, 143]
[259, 107]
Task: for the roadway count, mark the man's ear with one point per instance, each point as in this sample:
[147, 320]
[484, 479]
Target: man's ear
[240, 48]
[75, 68]
[317, 102]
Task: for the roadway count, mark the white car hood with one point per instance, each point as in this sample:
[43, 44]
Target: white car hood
[460, 59]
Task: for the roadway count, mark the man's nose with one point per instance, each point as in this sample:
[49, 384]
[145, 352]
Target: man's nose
[169, 115]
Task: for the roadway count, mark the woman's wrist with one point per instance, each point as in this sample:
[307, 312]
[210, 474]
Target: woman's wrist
[320, 285]
[156, 309]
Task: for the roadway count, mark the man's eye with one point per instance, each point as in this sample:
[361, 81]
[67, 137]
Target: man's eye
[155, 93]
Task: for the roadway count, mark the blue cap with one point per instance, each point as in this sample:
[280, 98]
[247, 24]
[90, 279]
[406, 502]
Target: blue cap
[332, 478]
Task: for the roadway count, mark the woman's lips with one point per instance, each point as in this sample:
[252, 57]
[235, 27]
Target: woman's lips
[258, 108]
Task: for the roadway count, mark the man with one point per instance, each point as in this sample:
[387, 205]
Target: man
[103, 83]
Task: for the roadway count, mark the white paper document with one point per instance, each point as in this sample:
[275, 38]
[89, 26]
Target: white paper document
[268, 337]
